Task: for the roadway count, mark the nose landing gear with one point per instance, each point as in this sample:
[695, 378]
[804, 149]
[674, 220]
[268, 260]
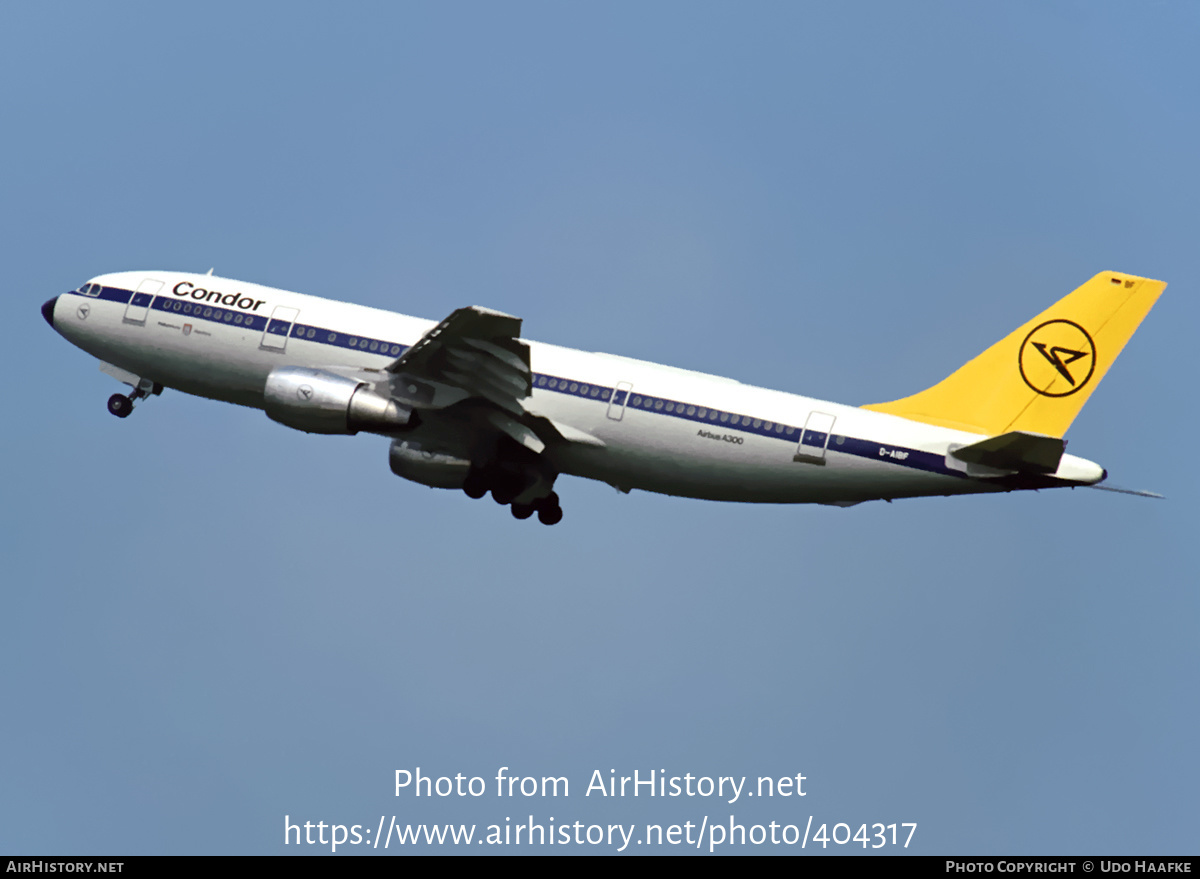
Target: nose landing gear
[121, 405]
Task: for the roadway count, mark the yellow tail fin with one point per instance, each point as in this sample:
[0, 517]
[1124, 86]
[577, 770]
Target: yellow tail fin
[1038, 377]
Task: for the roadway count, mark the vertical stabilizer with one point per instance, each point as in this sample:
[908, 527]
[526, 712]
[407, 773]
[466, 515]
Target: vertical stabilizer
[1038, 377]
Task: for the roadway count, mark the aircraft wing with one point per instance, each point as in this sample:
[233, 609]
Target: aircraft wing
[477, 352]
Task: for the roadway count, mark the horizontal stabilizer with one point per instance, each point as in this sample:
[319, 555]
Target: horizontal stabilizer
[1132, 491]
[1016, 450]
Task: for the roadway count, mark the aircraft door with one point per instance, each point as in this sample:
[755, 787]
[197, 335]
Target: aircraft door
[279, 327]
[139, 303]
[616, 404]
[814, 439]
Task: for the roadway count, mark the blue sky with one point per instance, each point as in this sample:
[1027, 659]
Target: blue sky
[213, 622]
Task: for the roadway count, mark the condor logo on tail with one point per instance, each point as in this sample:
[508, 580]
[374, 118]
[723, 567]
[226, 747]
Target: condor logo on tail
[1052, 351]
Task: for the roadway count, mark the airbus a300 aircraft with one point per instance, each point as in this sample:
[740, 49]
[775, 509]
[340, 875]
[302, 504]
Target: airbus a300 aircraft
[470, 404]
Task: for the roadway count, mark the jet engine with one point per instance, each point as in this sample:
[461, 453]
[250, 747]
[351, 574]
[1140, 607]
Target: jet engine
[436, 469]
[317, 401]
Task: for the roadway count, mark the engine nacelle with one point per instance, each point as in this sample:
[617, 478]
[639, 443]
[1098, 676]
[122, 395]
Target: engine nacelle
[317, 401]
[435, 469]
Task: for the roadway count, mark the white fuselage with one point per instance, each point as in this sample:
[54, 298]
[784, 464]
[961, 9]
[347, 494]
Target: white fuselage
[654, 427]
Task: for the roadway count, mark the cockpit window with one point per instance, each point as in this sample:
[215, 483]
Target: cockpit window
[90, 289]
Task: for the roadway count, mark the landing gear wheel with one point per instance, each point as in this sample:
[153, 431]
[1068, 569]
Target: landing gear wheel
[549, 510]
[503, 495]
[522, 511]
[120, 405]
[475, 485]
[505, 488]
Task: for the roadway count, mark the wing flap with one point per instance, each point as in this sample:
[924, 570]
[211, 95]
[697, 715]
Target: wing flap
[512, 358]
[517, 431]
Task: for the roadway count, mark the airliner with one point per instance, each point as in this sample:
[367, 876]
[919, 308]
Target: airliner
[469, 404]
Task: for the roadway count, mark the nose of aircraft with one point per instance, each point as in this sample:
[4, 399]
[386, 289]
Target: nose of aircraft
[48, 310]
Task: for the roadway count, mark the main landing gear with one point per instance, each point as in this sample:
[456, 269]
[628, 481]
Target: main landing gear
[548, 509]
[506, 488]
[121, 405]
